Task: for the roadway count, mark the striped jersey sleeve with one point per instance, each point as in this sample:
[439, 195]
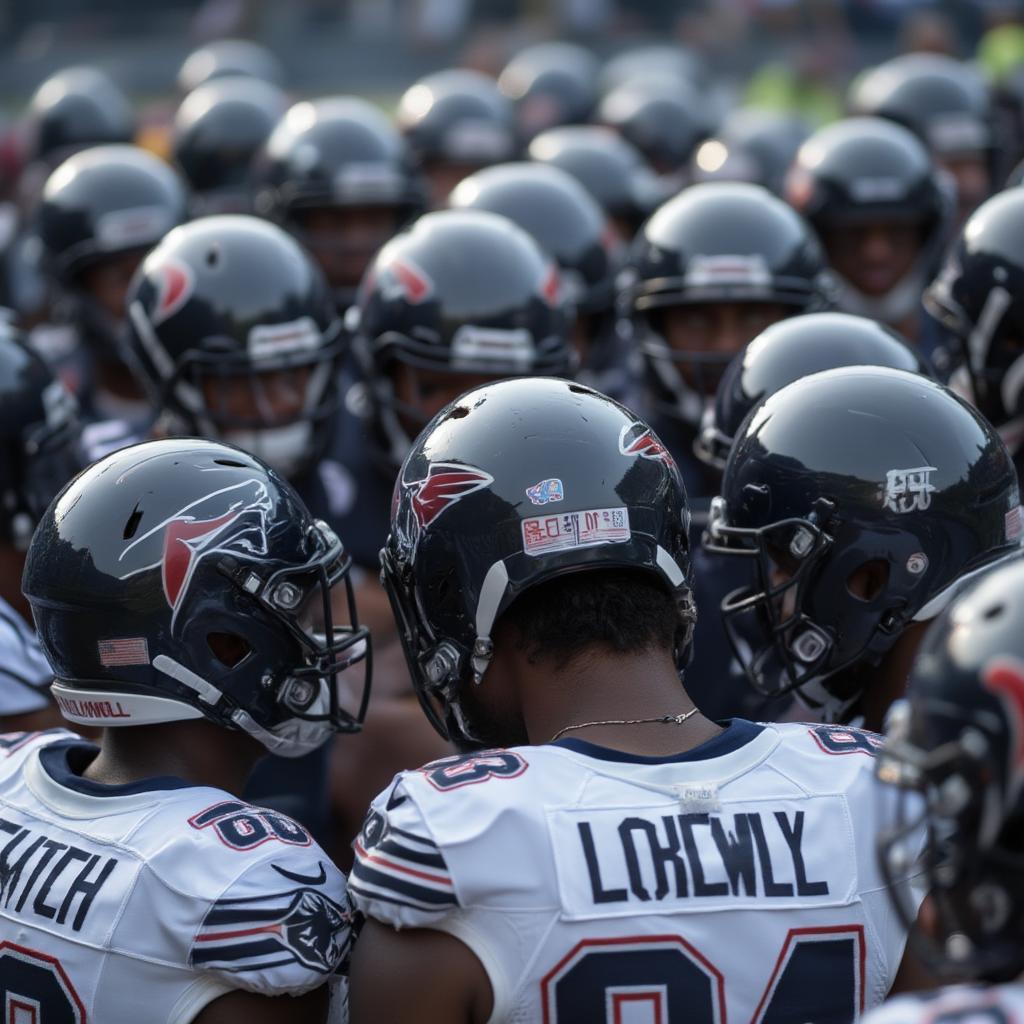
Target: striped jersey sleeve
[283, 927]
[400, 876]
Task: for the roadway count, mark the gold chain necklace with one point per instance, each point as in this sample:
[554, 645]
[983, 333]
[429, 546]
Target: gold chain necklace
[664, 720]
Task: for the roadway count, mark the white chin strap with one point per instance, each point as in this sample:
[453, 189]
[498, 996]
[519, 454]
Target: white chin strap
[283, 448]
[891, 308]
[291, 738]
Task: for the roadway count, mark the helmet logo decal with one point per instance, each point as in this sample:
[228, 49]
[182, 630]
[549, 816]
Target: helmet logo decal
[178, 543]
[645, 444]
[445, 483]
[412, 282]
[908, 490]
[176, 283]
[1004, 677]
[545, 491]
[552, 287]
[184, 540]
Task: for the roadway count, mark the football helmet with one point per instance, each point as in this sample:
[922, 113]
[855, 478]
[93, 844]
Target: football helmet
[845, 472]
[869, 170]
[787, 351]
[609, 167]
[75, 108]
[652, 61]
[218, 129]
[942, 100]
[460, 292]
[98, 204]
[469, 532]
[182, 579]
[332, 154]
[977, 296]
[235, 337]
[39, 429]
[954, 746]
[717, 242]
[550, 84]
[229, 57]
[561, 215]
[665, 119]
[457, 116]
[752, 145]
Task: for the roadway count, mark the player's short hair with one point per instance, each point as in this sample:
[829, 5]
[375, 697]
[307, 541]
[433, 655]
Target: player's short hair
[622, 611]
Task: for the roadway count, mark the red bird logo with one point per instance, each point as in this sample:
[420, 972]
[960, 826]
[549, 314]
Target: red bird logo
[176, 285]
[183, 541]
[1004, 677]
[445, 484]
[645, 444]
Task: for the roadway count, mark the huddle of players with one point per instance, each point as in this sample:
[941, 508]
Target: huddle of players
[805, 474]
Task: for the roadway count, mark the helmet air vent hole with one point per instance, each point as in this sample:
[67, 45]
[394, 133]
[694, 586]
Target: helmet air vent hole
[213, 256]
[994, 612]
[868, 580]
[229, 649]
[231, 463]
[458, 413]
[132, 524]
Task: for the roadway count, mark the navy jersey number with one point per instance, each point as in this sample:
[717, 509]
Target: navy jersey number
[818, 976]
[467, 769]
[35, 985]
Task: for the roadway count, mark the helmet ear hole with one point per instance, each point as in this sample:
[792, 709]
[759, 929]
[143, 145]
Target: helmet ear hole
[868, 580]
[229, 649]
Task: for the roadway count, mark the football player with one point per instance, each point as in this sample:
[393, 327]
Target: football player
[709, 271]
[863, 498]
[39, 453]
[610, 852]
[954, 747]
[883, 210]
[183, 597]
[976, 298]
[101, 211]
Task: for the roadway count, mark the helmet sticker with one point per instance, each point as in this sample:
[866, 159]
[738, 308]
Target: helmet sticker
[544, 535]
[917, 563]
[123, 651]
[908, 490]
[545, 491]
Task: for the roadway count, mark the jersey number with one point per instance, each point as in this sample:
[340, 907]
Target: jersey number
[35, 990]
[243, 827]
[662, 979]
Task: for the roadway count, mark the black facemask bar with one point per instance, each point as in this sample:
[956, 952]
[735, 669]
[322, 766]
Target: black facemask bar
[435, 669]
[326, 652]
[778, 645]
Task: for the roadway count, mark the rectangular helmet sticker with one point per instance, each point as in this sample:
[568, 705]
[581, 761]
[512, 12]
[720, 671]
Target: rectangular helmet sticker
[123, 651]
[543, 535]
[1013, 523]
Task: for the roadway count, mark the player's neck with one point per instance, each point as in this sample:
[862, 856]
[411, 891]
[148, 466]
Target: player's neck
[198, 752]
[889, 682]
[614, 689]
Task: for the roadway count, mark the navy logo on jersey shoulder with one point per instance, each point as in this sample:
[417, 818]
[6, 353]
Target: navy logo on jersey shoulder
[843, 739]
[252, 933]
[469, 769]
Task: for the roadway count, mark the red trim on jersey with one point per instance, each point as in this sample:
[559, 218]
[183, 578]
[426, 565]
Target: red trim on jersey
[241, 933]
[654, 998]
[34, 954]
[376, 858]
[838, 929]
[637, 940]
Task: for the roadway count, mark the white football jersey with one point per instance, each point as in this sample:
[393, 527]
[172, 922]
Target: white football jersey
[144, 902]
[957, 1004]
[25, 674]
[735, 882]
